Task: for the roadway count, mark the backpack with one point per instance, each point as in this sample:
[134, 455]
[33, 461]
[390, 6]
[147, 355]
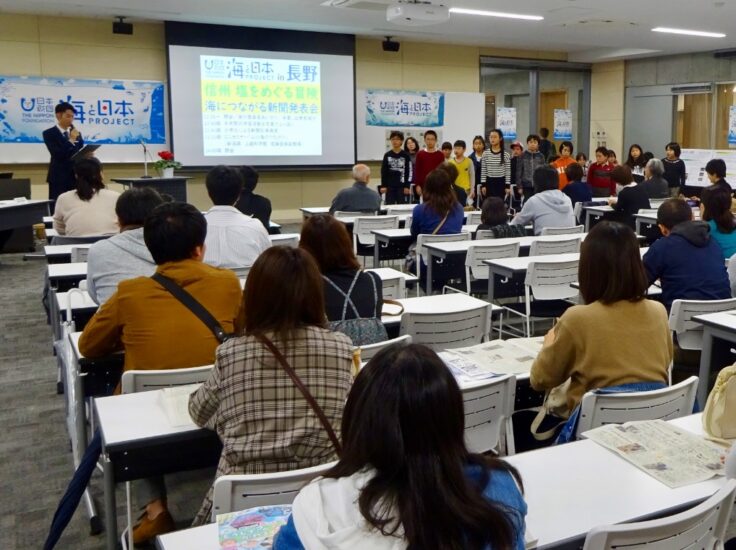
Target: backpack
[361, 330]
[719, 416]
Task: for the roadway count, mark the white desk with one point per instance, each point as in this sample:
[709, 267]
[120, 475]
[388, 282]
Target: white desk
[441, 303]
[81, 303]
[24, 213]
[569, 489]
[719, 338]
[61, 253]
[387, 237]
[66, 275]
[595, 212]
[313, 210]
[279, 238]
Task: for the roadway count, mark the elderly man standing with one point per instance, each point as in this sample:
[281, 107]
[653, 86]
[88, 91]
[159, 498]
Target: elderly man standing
[358, 198]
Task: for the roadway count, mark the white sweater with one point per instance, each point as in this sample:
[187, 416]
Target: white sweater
[74, 217]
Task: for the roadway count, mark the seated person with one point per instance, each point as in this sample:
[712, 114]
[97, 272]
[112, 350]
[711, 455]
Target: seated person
[654, 184]
[264, 421]
[440, 213]
[405, 460]
[687, 262]
[349, 291]
[732, 274]
[250, 204]
[494, 217]
[90, 208]
[548, 207]
[577, 189]
[359, 197]
[157, 331]
[631, 197]
[234, 240]
[715, 208]
[715, 169]
[123, 256]
[599, 344]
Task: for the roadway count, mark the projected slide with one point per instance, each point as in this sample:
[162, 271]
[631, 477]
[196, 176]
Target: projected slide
[260, 106]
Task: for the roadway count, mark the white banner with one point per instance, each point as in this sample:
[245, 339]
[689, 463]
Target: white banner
[404, 108]
[506, 122]
[563, 125]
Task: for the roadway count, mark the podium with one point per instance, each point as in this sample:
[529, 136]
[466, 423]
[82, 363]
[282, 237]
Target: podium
[176, 186]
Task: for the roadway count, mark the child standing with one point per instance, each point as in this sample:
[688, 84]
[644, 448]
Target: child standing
[446, 150]
[674, 169]
[427, 160]
[599, 175]
[495, 168]
[396, 170]
[563, 162]
[465, 168]
[479, 145]
[531, 159]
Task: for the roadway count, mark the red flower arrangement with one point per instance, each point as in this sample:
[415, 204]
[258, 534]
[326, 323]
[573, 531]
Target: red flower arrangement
[167, 161]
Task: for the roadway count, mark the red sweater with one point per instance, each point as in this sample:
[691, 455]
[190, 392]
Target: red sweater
[425, 163]
[599, 175]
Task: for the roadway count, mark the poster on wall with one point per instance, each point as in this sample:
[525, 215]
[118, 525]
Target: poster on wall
[404, 108]
[732, 126]
[506, 122]
[563, 125]
[695, 161]
[121, 112]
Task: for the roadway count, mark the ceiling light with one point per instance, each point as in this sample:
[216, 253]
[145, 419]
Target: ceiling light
[689, 33]
[464, 11]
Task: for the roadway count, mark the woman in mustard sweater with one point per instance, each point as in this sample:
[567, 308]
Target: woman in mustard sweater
[618, 337]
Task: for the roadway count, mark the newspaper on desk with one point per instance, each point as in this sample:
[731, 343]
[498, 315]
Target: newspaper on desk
[514, 356]
[669, 454]
[175, 402]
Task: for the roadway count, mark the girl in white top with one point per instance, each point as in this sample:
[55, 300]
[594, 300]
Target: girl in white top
[90, 208]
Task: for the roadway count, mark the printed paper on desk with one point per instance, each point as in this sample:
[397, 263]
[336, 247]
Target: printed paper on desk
[496, 357]
[252, 528]
[669, 454]
[175, 402]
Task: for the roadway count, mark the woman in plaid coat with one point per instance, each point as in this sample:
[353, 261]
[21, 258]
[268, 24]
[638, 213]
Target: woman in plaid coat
[265, 423]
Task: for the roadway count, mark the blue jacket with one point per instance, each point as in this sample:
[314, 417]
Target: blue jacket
[425, 220]
[689, 265]
[578, 191]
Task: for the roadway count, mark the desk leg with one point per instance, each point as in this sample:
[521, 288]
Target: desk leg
[376, 253]
[430, 261]
[491, 280]
[704, 374]
[111, 518]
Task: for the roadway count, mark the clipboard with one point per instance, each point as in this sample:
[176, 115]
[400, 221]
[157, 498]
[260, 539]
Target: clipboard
[85, 151]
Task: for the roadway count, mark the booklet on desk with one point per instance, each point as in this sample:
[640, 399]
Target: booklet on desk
[175, 402]
[252, 528]
[493, 358]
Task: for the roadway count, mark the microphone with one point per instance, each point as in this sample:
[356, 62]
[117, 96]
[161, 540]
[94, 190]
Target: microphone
[145, 158]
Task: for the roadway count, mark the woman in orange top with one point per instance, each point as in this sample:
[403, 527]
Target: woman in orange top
[565, 160]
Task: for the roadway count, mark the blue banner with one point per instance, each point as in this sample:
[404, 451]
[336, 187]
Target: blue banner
[404, 109]
[108, 111]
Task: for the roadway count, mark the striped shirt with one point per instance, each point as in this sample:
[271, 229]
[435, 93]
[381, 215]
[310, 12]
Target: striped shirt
[491, 167]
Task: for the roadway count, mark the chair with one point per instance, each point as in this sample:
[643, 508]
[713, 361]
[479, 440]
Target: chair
[547, 248]
[447, 330]
[597, 409]
[134, 381]
[476, 270]
[79, 254]
[563, 230]
[241, 272]
[703, 526]
[482, 234]
[428, 238]
[367, 352]
[394, 288]
[488, 409]
[690, 333]
[363, 240]
[473, 218]
[548, 282]
[240, 492]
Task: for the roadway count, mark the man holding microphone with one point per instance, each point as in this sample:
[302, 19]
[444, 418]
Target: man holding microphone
[63, 141]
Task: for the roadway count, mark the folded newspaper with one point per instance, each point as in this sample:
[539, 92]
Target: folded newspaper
[175, 402]
[514, 356]
[252, 528]
[670, 454]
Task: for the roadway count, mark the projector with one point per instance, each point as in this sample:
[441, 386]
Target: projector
[416, 14]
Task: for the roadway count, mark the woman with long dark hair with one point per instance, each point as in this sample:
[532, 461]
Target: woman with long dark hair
[495, 167]
[405, 478]
[440, 213]
[90, 208]
[715, 208]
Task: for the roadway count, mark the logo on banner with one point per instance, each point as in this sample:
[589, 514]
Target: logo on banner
[408, 109]
[107, 111]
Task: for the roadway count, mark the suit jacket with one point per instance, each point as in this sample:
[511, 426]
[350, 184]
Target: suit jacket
[255, 206]
[61, 168]
[263, 420]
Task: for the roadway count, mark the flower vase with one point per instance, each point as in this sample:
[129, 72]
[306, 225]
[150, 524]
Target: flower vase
[167, 172]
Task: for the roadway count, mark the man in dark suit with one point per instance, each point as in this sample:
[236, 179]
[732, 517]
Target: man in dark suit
[63, 141]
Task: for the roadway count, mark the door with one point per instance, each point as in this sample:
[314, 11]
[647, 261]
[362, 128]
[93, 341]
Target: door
[548, 102]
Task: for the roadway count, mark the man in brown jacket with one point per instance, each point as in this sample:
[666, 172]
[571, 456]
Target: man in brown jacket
[156, 330]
